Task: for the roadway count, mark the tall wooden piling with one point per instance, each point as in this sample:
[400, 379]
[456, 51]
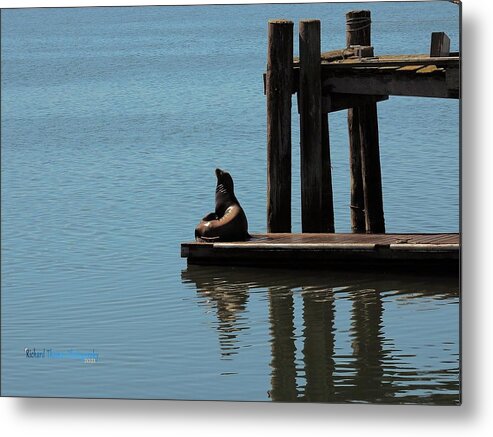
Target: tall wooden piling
[279, 90]
[366, 182]
[314, 195]
[356, 178]
[370, 169]
[357, 33]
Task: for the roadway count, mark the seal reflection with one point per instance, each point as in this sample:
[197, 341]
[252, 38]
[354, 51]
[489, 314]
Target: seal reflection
[229, 301]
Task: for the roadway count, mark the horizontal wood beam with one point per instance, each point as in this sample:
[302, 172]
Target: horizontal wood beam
[332, 102]
[452, 79]
[388, 83]
[340, 54]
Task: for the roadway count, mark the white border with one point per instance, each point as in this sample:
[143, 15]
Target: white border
[83, 3]
[118, 417]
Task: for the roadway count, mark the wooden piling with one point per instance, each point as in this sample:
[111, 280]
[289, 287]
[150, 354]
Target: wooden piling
[314, 196]
[358, 28]
[278, 91]
[356, 179]
[366, 184]
[370, 169]
[328, 204]
[358, 32]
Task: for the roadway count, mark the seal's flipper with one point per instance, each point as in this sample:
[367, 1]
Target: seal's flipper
[210, 216]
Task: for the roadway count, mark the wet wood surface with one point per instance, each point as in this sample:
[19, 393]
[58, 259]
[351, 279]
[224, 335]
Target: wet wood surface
[314, 189]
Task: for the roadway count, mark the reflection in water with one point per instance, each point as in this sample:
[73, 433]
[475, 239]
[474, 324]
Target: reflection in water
[367, 346]
[229, 301]
[281, 318]
[349, 358]
[318, 350]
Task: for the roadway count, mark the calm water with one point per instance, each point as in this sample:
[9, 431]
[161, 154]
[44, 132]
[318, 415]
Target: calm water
[113, 121]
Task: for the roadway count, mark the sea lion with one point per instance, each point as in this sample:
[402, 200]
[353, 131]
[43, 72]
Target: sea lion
[228, 222]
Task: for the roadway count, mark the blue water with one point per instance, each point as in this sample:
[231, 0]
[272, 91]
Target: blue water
[113, 121]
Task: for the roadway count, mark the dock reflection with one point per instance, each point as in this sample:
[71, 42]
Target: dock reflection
[318, 345]
[362, 371]
[367, 344]
[282, 330]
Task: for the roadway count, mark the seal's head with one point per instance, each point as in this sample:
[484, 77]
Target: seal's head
[225, 179]
[225, 194]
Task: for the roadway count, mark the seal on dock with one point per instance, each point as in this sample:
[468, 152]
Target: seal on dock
[228, 222]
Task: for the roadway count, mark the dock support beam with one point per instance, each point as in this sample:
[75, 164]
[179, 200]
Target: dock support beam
[366, 180]
[370, 169]
[328, 204]
[279, 90]
[315, 192]
[356, 179]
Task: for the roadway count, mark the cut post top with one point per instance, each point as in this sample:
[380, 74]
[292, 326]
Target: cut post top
[310, 30]
[309, 20]
[358, 14]
[358, 30]
[281, 21]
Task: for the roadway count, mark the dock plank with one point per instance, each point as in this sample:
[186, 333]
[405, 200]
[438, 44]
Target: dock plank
[430, 69]
[411, 68]
[355, 251]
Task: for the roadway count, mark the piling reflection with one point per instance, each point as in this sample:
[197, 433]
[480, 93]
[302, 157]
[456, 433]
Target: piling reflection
[281, 318]
[318, 345]
[366, 366]
[368, 384]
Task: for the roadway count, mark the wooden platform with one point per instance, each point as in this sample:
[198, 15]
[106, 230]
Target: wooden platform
[430, 252]
[401, 75]
[345, 76]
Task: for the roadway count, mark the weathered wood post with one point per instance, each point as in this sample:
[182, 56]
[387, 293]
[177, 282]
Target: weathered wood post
[328, 204]
[366, 179]
[279, 91]
[314, 195]
[356, 179]
[440, 44]
[370, 169]
[357, 33]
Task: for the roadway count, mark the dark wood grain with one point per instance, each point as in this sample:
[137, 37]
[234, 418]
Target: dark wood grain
[314, 196]
[440, 44]
[278, 91]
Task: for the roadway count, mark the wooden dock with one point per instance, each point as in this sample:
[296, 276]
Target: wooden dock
[424, 252]
[354, 79]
